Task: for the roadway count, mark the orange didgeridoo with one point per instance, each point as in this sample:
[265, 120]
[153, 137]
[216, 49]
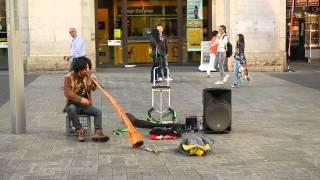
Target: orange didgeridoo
[135, 137]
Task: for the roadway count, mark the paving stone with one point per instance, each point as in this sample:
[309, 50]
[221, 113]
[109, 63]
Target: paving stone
[275, 131]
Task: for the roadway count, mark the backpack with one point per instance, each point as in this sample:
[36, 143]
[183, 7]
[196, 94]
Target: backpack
[229, 49]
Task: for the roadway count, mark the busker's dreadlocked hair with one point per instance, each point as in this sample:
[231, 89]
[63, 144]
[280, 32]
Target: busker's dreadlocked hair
[79, 64]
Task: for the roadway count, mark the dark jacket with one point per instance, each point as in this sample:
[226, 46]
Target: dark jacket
[239, 53]
[163, 47]
[154, 45]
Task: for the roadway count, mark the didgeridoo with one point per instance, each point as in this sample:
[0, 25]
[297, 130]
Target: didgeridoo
[136, 139]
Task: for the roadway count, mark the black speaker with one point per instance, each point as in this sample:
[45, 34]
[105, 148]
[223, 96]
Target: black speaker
[217, 113]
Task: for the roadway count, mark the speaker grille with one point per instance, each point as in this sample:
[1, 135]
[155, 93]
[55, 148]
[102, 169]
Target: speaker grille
[218, 116]
[217, 110]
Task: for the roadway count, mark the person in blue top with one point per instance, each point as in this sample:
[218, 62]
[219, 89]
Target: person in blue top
[77, 47]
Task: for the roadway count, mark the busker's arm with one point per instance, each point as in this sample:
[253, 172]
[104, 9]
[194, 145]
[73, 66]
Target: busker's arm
[70, 95]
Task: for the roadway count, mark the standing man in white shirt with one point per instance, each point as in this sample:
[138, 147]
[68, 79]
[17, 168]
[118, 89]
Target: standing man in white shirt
[77, 47]
[221, 55]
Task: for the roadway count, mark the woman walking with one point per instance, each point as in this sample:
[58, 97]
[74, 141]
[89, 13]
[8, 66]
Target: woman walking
[239, 58]
[213, 52]
[155, 42]
[221, 55]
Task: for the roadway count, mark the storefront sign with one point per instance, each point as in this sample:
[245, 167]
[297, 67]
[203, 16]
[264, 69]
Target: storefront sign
[152, 10]
[313, 3]
[301, 3]
[3, 44]
[114, 42]
[194, 24]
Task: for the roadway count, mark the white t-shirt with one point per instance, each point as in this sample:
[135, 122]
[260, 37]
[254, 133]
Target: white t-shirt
[222, 42]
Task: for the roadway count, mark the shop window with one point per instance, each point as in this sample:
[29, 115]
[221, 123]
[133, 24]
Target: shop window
[143, 16]
[3, 37]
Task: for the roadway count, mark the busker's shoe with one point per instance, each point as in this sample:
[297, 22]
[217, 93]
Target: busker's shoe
[99, 136]
[219, 82]
[160, 79]
[81, 135]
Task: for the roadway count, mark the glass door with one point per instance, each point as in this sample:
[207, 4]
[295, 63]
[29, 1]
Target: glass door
[145, 15]
[108, 28]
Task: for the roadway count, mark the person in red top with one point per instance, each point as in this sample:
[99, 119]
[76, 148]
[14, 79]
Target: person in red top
[213, 52]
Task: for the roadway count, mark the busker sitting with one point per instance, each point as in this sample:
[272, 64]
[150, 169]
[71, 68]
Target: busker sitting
[77, 89]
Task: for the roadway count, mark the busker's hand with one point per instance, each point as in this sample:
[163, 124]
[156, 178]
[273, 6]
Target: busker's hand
[86, 102]
[93, 77]
[67, 58]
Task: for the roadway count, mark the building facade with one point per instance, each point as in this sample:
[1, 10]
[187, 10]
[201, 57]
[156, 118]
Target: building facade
[116, 32]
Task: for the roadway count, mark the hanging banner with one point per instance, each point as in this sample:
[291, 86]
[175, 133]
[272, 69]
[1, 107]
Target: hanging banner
[194, 25]
[313, 3]
[301, 3]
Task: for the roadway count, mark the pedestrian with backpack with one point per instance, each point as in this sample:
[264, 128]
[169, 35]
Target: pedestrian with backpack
[222, 43]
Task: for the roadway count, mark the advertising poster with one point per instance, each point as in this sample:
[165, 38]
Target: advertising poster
[205, 56]
[194, 24]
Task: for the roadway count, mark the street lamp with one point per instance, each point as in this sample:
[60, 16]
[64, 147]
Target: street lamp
[16, 74]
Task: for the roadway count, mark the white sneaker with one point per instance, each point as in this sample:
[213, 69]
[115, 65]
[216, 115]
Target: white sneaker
[160, 79]
[226, 77]
[219, 82]
[169, 79]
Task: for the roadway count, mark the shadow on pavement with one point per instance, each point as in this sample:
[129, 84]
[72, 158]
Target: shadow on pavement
[305, 74]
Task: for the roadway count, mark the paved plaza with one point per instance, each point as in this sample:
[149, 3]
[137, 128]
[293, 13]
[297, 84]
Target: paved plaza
[275, 130]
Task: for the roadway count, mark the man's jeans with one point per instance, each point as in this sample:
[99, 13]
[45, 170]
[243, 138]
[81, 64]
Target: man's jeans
[155, 63]
[74, 110]
[163, 66]
[236, 66]
[221, 57]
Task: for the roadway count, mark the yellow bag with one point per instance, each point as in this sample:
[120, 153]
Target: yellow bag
[195, 146]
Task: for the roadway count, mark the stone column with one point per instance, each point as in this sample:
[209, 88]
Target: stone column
[16, 74]
[263, 24]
